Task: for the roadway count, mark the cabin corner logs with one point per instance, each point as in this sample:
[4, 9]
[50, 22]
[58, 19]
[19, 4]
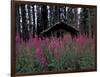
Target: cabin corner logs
[47, 20]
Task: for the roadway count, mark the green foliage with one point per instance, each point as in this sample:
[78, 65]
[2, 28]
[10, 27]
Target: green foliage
[68, 60]
[53, 63]
[86, 61]
[71, 58]
[49, 56]
[26, 63]
[56, 65]
[33, 50]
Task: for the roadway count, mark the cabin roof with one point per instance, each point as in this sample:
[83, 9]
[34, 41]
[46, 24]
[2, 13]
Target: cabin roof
[58, 23]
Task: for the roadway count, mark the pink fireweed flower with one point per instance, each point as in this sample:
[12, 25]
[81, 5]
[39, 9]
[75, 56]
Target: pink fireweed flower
[67, 37]
[18, 39]
[55, 45]
[37, 42]
[30, 41]
[34, 42]
[40, 56]
[57, 53]
[81, 40]
[45, 43]
[39, 52]
[43, 61]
